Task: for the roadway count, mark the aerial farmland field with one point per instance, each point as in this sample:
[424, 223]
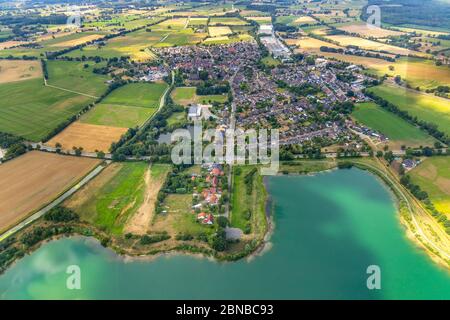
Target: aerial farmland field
[34, 116]
[90, 137]
[34, 179]
[345, 40]
[118, 193]
[226, 21]
[399, 132]
[77, 76]
[52, 44]
[186, 96]
[363, 30]
[425, 107]
[219, 31]
[134, 44]
[127, 106]
[19, 70]
[433, 176]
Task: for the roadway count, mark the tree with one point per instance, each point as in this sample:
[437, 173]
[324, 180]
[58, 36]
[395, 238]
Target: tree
[218, 241]
[222, 222]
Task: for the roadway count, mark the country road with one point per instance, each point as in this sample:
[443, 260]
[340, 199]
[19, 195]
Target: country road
[53, 204]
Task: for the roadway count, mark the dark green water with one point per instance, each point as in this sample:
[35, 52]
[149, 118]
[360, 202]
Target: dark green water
[329, 228]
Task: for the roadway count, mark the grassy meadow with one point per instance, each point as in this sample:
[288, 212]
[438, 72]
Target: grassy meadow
[395, 128]
[31, 110]
[112, 197]
[127, 106]
[243, 204]
[77, 76]
[426, 107]
[186, 96]
[433, 176]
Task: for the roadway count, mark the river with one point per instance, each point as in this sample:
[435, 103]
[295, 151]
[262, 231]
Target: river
[328, 229]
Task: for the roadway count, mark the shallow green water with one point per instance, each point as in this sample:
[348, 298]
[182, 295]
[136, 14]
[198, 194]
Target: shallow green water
[329, 228]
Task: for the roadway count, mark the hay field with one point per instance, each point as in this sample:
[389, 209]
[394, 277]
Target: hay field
[134, 44]
[261, 20]
[89, 136]
[32, 180]
[77, 41]
[433, 176]
[219, 31]
[366, 44]
[19, 70]
[308, 44]
[227, 21]
[365, 31]
[417, 72]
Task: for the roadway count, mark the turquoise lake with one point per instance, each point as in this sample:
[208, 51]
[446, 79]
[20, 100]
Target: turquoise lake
[328, 229]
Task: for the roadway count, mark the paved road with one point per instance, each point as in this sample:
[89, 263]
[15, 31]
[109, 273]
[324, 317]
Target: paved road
[53, 204]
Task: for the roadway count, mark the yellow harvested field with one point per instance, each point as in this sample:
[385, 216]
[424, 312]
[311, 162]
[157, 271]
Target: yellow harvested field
[76, 42]
[31, 181]
[310, 44]
[366, 31]
[53, 35]
[18, 70]
[176, 23]
[421, 31]
[89, 136]
[305, 20]
[10, 44]
[261, 19]
[344, 40]
[219, 31]
[215, 39]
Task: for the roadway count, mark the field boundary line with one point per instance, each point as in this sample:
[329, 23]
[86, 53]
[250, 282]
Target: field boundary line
[76, 92]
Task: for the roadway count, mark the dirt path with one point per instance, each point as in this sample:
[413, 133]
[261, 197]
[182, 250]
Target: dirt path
[76, 92]
[139, 223]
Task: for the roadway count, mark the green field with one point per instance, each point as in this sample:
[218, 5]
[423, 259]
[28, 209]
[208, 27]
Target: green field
[115, 201]
[425, 107]
[395, 128]
[176, 118]
[146, 95]
[180, 216]
[77, 76]
[242, 203]
[127, 106]
[50, 45]
[31, 110]
[433, 176]
[270, 61]
[417, 72]
[187, 95]
[133, 44]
